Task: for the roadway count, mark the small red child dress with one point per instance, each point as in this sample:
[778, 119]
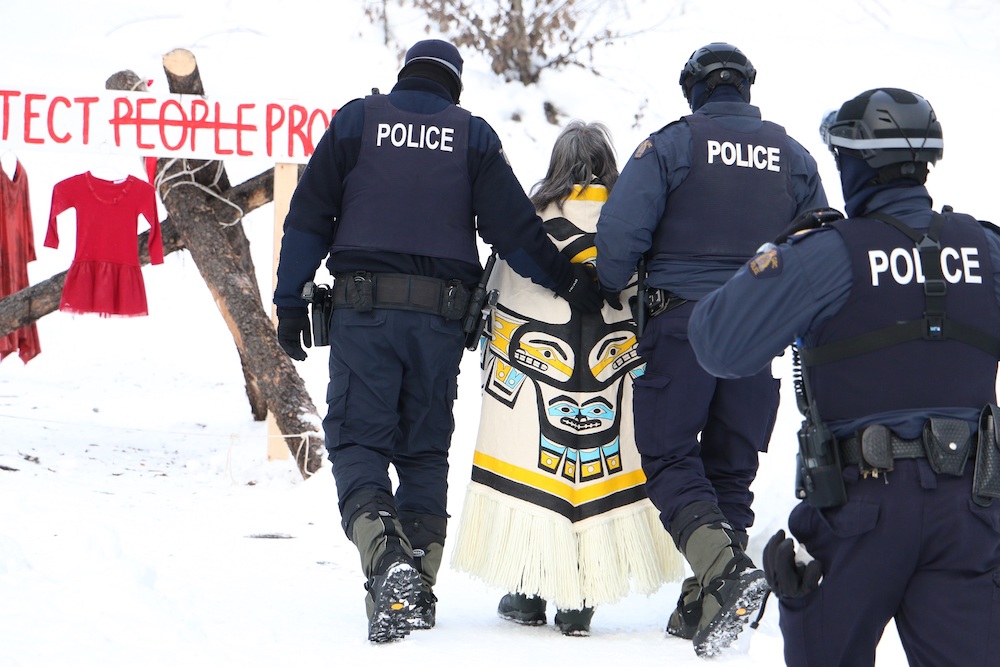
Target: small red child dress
[105, 276]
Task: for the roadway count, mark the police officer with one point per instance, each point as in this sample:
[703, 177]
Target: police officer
[697, 198]
[895, 310]
[394, 195]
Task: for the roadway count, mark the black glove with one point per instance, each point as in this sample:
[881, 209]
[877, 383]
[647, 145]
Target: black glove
[293, 324]
[787, 577]
[582, 292]
[810, 219]
[613, 297]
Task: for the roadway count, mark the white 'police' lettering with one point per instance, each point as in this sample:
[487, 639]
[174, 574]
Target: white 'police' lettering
[903, 265]
[757, 157]
[422, 136]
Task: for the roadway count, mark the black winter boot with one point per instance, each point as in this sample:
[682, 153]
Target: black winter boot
[522, 609]
[575, 622]
[426, 533]
[391, 599]
[732, 587]
[728, 602]
[683, 621]
[370, 521]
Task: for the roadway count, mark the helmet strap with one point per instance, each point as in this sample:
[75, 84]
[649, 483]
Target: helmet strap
[727, 77]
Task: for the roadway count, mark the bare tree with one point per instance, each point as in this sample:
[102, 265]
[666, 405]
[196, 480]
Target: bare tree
[521, 38]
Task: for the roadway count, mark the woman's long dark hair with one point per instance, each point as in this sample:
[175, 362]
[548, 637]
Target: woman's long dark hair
[583, 153]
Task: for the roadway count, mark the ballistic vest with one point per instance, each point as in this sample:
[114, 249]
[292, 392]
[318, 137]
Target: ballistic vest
[737, 195]
[927, 362]
[410, 191]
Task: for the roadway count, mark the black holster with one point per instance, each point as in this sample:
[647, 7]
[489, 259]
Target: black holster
[986, 478]
[320, 298]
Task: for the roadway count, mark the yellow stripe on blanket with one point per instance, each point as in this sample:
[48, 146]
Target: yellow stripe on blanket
[574, 496]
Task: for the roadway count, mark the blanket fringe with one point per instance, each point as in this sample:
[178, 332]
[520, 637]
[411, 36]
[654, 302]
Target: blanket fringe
[521, 547]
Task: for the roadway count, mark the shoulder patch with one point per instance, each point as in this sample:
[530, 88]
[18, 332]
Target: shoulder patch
[766, 263]
[642, 149]
[504, 156]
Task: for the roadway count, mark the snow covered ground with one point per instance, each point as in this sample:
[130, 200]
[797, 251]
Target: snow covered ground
[140, 520]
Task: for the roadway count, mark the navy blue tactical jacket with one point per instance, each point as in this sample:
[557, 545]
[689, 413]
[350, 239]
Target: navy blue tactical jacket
[767, 305]
[504, 216]
[658, 168]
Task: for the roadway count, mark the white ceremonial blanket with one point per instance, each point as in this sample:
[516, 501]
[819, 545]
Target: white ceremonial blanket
[556, 506]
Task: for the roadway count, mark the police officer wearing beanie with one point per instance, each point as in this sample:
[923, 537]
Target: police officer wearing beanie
[894, 312]
[696, 199]
[393, 198]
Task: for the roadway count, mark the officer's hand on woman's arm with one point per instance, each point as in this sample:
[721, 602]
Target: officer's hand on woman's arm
[614, 298]
[294, 331]
[582, 291]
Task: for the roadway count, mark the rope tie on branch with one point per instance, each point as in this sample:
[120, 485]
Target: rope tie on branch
[187, 174]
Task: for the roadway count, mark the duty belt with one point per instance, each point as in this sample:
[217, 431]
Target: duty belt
[946, 443]
[364, 291]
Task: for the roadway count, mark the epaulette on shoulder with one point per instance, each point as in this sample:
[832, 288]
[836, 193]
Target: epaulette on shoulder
[985, 224]
[669, 125]
[805, 233]
[809, 221]
[646, 145]
[989, 226]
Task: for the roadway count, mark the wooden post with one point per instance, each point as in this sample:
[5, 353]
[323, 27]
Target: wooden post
[286, 177]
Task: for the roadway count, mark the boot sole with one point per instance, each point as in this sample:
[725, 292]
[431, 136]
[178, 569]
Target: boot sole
[574, 623]
[391, 619]
[421, 624]
[522, 618]
[423, 615]
[575, 631]
[422, 621]
[728, 623]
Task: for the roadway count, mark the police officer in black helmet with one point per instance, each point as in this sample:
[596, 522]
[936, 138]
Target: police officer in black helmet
[896, 313]
[393, 198]
[697, 198]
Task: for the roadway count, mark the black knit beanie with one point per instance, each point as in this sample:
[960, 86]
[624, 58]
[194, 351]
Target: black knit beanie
[429, 70]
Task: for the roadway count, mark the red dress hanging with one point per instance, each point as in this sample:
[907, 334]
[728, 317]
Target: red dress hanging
[105, 276]
[17, 248]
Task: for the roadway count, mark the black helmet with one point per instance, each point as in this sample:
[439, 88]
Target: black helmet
[717, 62]
[885, 126]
